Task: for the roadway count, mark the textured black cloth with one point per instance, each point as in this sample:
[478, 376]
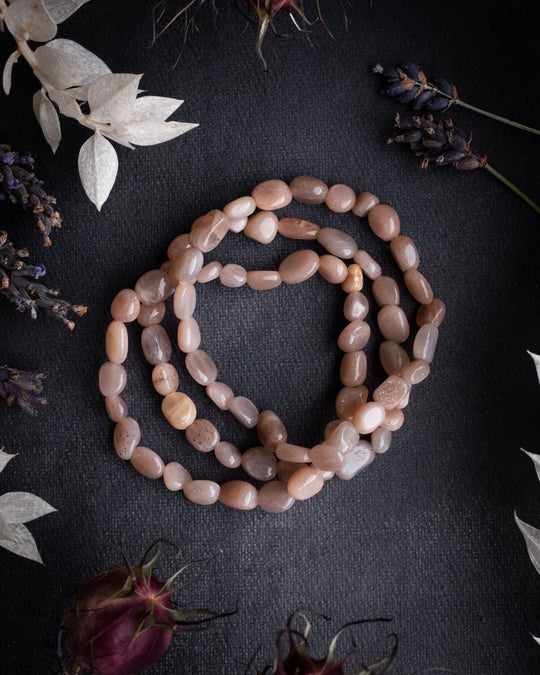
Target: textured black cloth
[426, 536]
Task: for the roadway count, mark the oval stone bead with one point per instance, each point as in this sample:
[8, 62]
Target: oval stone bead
[368, 417]
[179, 410]
[125, 306]
[332, 269]
[259, 463]
[364, 203]
[240, 208]
[112, 379]
[238, 494]
[299, 266]
[202, 435]
[355, 279]
[292, 453]
[432, 313]
[358, 459]
[308, 190]
[189, 335]
[415, 372]
[337, 242]
[297, 228]
[209, 272]
[405, 252]
[165, 378]
[403, 403]
[340, 198]
[156, 345]
[425, 342]
[262, 227]
[327, 457]
[147, 462]
[384, 221]
[201, 367]
[116, 408]
[233, 276]
[116, 342]
[380, 440]
[153, 287]
[127, 436]
[274, 497]
[370, 267]
[263, 280]
[353, 369]
[209, 230]
[185, 299]
[354, 337]
[393, 357]
[175, 476]
[393, 420]
[356, 306]
[221, 394]
[151, 315]
[244, 410]
[385, 291]
[330, 428]
[228, 455]
[177, 245]
[237, 224]
[344, 436]
[202, 492]
[286, 469]
[348, 400]
[271, 194]
[270, 429]
[305, 483]
[393, 323]
[187, 265]
[418, 286]
[391, 392]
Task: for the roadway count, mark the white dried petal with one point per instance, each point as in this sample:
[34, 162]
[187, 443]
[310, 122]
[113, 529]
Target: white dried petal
[116, 132]
[536, 359]
[112, 97]
[537, 640]
[65, 63]
[5, 530]
[60, 10]
[4, 459]
[29, 20]
[6, 74]
[98, 166]
[532, 539]
[536, 461]
[80, 93]
[48, 119]
[21, 507]
[22, 543]
[150, 132]
[67, 105]
[156, 108]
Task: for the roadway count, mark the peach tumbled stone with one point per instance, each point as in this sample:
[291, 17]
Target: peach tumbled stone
[332, 269]
[364, 203]
[153, 287]
[187, 265]
[380, 440]
[432, 313]
[270, 429]
[202, 435]
[292, 453]
[244, 410]
[240, 208]
[308, 190]
[125, 306]
[418, 286]
[425, 342]
[355, 279]
[112, 379]
[348, 399]
[221, 394]
[116, 408]
[263, 280]
[237, 224]
[358, 459]
[228, 454]
[147, 462]
[209, 272]
[126, 437]
[330, 428]
[185, 300]
[370, 267]
[404, 402]
[354, 337]
[259, 463]
[262, 227]
[344, 436]
[202, 492]
[356, 306]
[274, 497]
[297, 228]
[286, 469]
[209, 230]
[271, 194]
[385, 291]
[116, 342]
[238, 494]
[392, 357]
[340, 198]
[415, 372]
[151, 315]
[189, 335]
[391, 392]
[201, 367]
[177, 245]
[305, 483]
[368, 417]
[393, 323]
[233, 276]
[353, 369]
[179, 410]
[156, 345]
[175, 476]
[165, 378]
[405, 252]
[299, 266]
[393, 420]
[337, 242]
[327, 457]
[384, 221]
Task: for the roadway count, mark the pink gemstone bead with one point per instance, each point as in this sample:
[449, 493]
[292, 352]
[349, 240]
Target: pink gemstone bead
[209, 230]
[380, 440]
[156, 345]
[393, 357]
[270, 429]
[308, 190]
[177, 245]
[384, 221]
[165, 378]
[263, 280]
[273, 497]
[415, 372]
[202, 492]
[175, 476]
[228, 455]
[116, 342]
[147, 462]
[348, 400]
[418, 286]
[237, 224]
[202, 435]
[368, 417]
[353, 370]
[153, 287]
[185, 299]
[151, 315]
[259, 463]
[262, 227]
[233, 276]
[343, 436]
[238, 494]
[340, 198]
[391, 392]
[125, 306]
[354, 337]
[432, 313]
[370, 267]
[187, 265]
[393, 323]
[425, 342]
[405, 252]
[332, 269]
[358, 459]
[201, 367]
[327, 457]
[296, 228]
[240, 208]
[393, 420]
[116, 408]
[337, 243]
[305, 483]
[299, 266]
[127, 437]
[385, 291]
[364, 203]
[356, 306]
[271, 194]
[209, 272]
[221, 394]
[112, 379]
[189, 335]
[287, 469]
[244, 411]
[292, 453]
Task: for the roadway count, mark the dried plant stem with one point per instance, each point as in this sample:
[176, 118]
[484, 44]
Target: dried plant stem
[515, 189]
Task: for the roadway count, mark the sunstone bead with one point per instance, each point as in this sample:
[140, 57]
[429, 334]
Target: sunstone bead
[270, 429]
[405, 252]
[356, 306]
[165, 378]
[385, 291]
[175, 476]
[209, 272]
[425, 342]
[153, 287]
[112, 379]
[297, 228]
[127, 436]
[393, 420]
[262, 227]
[415, 372]
[274, 497]
[292, 453]
[299, 266]
[116, 342]
[353, 369]
[177, 245]
[340, 198]
[259, 463]
[354, 337]
[147, 462]
[238, 494]
[287, 469]
[221, 394]
[348, 399]
[337, 243]
[332, 269]
[364, 203]
[418, 286]
[186, 266]
[384, 221]
[393, 357]
[358, 459]
[244, 410]
[305, 483]
[179, 410]
[308, 190]
[156, 345]
[368, 417]
[354, 280]
[151, 315]
[391, 392]
[228, 455]
[327, 457]
[201, 367]
[189, 335]
[233, 276]
[370, 267]
[202, 492]
[432, 313]
[240, 208]
[116, 408]
[125, 306]
[380, 440]
[185, 299]
[202, 435]
[209, 230]
[271, 194]
[343, 436]
[393, 323]
[263, 280]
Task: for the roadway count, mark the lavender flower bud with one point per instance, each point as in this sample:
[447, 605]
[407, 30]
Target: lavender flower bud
[22, 388]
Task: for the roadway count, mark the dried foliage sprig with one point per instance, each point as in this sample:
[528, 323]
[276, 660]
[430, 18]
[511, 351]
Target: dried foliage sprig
[19, 387]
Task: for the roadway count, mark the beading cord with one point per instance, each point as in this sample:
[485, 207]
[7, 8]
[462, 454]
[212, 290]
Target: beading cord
[301, 472]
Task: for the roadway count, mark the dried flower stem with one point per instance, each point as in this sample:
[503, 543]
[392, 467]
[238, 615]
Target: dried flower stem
[513, 187]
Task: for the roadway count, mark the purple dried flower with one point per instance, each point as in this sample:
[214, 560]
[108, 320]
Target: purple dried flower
[22, 388]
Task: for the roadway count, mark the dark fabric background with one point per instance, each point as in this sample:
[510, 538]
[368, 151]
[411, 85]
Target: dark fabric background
[426, 535]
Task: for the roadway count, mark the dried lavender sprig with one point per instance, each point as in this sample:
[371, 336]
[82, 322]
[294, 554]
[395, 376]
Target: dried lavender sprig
[19, 185]
[441, 143]
[18, 284]
[22, 388]
[409, 84]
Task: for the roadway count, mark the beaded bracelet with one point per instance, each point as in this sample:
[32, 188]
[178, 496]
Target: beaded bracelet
[301, 471]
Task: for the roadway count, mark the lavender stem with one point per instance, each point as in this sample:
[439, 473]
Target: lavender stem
[513, 187]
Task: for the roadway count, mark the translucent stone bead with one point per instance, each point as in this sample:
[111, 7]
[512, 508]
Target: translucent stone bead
[340, 198]
[432, 313]
[299, 266]
[292, 453]
[327, 457]
[238, 494]
[391, 392]
[380, 440]
[404, 402]
[393, 323]
[425, 342]
[356, 306]
[185, 299]
[202, 435]
[179, 410]
[240, 208]
[393, 420]
[308, 190]
[237, 224]
[116, 408]
[116, 342]
[353, 369]
[202, 492]
[177, 245]
[355, 279]
[228, 455]
[127, 436]
[405, 252]
[348, 400]
[344, 436]
[156, 345]
[189, 335]
[393, 357]
[175, 476]
[165, 378]
[271, 194]
[270, 429]
[297, 228]
[415, 372]
[244, 411]
[330, 428]
[418, 286]
[368, 417]
[209, 272]
[221, 394]
[385, 291]
[305, 483]
[262, 227]
[332, 269]
[287, 469]
[364, 203]
[201, 367]
[370, 267]
[263, 280]
[147, 462]
[209, 230]
[358, 459]
[233, 276]
[187, 265]
[151, 315]
[337, 242]
[259, 463]
[112, 379]
[354, 337]
[153, 287]
[125, 306]
[274, 497]
[384, 221]
[327, 475]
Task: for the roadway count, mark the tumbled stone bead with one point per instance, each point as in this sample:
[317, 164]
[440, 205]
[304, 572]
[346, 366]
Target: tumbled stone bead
[292, 453]
[299, 266]
[405, 252]
[263, 280]
[270, 429]
[165, 378]
[385, 291]
[185, 299]
[392, 357]
[187, 266]
[112, 379]
[259, 463]
[238, 494]
[391, 392]
[166, 266]
[233, 276]
[364, 203]
[274, 497]
[327, 475]
[384, 221]
[156, 345]
[340, 198]
[237, 224]
[175, 476]
[432, 313]
[177, 245]
[201, 367]
[125, 306]
[356, 306]
[240, 208]
[287, 469]
[415, 372]
[262, 227]
[244, 411]
[271, 194]
[358, 459]
[368, 417]
[425, 342]
[208, 231]
[153, 287]
[344, 436]
[221, 394]
[353, 369]
[327, 457]
[355, 279]
[337, 242]
[393, 323]
[179, 410]
[332, 269]
[202, 492]
[209, 272]
[348, 400]
[418, 286]
[127, 436]
[151, 315]
[308, 190]
[305, 483]
[370, 267]
[116, 342]
[116, 408]
[228, 455]
[189, 335]
[330, 428]
[147, 462]
[380, 440]
[202, 435]
[404, 402]
[354, 337]
[297, 228]
[393, 420]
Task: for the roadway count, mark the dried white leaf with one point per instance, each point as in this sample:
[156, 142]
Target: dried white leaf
[6, 74]
[150, 132]
[112, 97]
[22, 543]
[60, 10]
[65, 63]
[116, 132]
[537, 640]
[5, 531]
[48, 119]
[29, 20]
[67, 105]
[536, 359]
[532, 539]
[79, 93]
[98, 166]
[4, 459]
[21, 507]
[156, 108]
[536, 461]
